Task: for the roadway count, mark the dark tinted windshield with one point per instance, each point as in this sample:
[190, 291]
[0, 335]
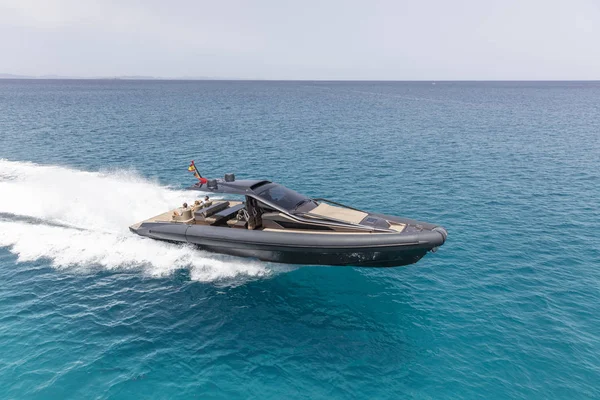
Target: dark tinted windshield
[282, 196]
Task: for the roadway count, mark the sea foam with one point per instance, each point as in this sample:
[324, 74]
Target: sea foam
[79, 220]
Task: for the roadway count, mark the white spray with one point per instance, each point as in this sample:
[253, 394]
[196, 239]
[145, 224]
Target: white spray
[79, 220]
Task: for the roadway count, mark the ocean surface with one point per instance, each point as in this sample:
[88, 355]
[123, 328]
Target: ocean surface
[509, 307]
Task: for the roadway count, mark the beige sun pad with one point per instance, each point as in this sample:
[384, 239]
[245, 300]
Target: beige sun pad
[339, 213]
[398, 227]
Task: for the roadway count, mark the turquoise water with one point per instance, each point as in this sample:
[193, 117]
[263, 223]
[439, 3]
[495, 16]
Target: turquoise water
[508, 308]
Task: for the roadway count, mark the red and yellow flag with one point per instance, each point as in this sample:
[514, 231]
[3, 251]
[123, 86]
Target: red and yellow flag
[192, 168]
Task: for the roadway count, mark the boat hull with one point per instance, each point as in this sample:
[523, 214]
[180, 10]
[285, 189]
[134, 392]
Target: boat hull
[352, 249]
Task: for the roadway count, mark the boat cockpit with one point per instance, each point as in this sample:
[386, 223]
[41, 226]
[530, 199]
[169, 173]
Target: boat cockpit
[274, 207]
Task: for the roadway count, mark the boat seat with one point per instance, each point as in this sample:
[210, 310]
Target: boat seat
[210, 210]
[184, 216]
[269, 220]
[229, 213]
[204, 204]
[220, 217]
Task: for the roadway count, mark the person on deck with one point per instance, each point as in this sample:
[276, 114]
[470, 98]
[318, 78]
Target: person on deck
[182, 210]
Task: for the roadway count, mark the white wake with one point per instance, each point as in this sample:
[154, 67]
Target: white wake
[79, 220]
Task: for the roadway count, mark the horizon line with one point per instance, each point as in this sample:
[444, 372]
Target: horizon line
[223, 79]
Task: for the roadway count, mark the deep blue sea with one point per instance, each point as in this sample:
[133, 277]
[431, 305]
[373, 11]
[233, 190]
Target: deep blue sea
[508, 308]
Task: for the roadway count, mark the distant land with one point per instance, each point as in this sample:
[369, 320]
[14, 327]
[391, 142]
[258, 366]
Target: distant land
[120, 77]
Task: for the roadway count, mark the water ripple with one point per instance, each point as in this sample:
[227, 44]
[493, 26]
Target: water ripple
[508, 308]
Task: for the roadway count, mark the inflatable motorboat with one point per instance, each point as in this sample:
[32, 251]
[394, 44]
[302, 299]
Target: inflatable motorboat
[270, 222]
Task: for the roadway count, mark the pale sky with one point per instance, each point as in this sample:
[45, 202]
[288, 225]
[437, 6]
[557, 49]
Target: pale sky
[303, 39]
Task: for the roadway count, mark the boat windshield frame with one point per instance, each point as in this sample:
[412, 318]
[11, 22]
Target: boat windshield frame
[281, 196]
